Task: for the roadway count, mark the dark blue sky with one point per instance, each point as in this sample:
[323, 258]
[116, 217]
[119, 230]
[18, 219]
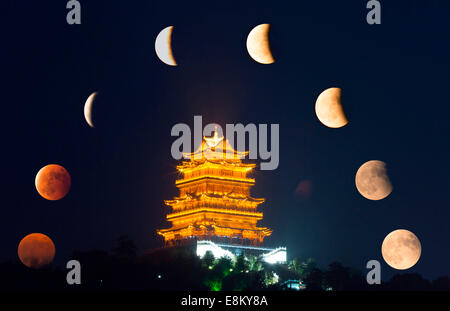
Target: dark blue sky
[394, 78]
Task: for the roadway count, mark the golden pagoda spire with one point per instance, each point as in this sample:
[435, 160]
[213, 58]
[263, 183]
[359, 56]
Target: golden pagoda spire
[216, 148]
[213, 141]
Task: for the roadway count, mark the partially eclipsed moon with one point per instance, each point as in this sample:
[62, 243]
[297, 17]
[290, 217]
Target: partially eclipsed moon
[88, 109]
[329, 108]
[163, 46]
[53, 182]
[36, 250]
[258, 45]
[401, 249]
[372, 180]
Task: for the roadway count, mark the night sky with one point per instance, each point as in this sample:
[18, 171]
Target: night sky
[394, 76]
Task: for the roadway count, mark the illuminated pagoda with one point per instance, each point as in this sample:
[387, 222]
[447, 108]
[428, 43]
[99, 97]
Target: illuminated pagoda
[214, 209]
[215, 202]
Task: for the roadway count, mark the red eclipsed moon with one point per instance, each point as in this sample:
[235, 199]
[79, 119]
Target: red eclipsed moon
[36, 250]
[53, 182]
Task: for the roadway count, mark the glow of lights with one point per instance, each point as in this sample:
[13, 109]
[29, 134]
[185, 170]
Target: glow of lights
[218, 252]
[277, 255]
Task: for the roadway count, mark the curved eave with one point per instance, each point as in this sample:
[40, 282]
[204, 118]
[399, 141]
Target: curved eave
[197, 164]
[213, 177]
[223, 148]
[202, 210]
[264, 230]
[200, 197]
[237, 155]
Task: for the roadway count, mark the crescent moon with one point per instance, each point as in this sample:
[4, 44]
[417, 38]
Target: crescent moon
[401, 249]
[329, 108]
[163, 46]
[258, 45]
[88, 109]
[372, 180]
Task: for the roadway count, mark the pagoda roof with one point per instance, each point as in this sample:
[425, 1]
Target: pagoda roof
[265, 230]
[227, 197]
[214, 162]
[215, 148]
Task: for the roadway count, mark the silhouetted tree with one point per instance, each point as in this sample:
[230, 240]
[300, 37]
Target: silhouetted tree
[241, 264]
[208, 259]
[15, 277]
[358, 281]
[313, 280]
[337, 276]
[296, 266]
[306, 267]
[126, 249]
[223, 266]
[441, 283]
[236, 282]
[256, 280]
[255, 263]
[409, 282]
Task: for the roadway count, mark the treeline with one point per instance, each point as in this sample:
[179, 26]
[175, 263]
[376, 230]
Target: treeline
[180, 269]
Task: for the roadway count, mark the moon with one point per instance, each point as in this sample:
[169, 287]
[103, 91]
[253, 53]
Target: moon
[36, 250]
[329, 108]
[163, 46]
[53, 182]
[304, 190]
[88, 109]
[372, 180]
[401, 249]
[258, 45]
